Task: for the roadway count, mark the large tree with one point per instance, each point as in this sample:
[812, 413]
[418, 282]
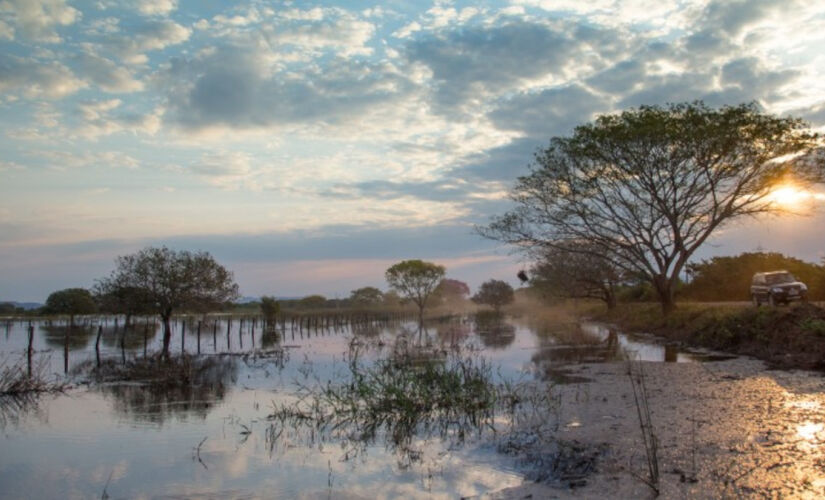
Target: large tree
[172, 280]
[576, 272]
[70, 301]
[415, 280]
[647, 187]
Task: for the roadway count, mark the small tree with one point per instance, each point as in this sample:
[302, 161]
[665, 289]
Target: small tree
[70, 301]
[313, 302]
[452, 292]
[576, 273]
[494, 293]
[366, 296]
[649, 186]
[270, 309]
[415, 280]
[173, 280]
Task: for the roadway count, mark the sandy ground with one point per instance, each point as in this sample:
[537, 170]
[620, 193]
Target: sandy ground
[729, 429]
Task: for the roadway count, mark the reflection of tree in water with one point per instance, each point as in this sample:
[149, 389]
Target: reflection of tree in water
[549, 358]
[369, 331]
[493, 331]
[154, 390]
[133, 337]
[453, 333]
[270, 338]
[79, 336]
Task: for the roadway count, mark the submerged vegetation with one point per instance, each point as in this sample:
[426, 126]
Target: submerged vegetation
[409, 397]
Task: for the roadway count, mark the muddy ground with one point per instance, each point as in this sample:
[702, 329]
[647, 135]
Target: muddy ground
[729, 429]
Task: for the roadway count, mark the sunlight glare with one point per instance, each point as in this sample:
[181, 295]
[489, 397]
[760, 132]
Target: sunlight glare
[788, 195]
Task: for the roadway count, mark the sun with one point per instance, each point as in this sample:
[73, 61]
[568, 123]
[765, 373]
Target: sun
[790, 196]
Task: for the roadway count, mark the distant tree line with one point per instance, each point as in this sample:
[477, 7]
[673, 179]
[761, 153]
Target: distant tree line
[729, 278]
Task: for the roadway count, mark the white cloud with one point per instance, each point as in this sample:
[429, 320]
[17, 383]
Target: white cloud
[37, 19]
[107, 75]
[36, 79]
[151, 35]
[156, 7]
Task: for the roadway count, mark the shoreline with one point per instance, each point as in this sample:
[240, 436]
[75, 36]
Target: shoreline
[725, 429]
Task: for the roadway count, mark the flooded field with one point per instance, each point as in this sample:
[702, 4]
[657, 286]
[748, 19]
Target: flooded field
[218, 426]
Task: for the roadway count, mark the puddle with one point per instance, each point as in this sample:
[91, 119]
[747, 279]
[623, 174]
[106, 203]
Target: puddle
[207, 432]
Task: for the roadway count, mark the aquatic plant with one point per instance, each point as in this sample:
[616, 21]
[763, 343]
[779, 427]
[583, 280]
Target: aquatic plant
[403, 399]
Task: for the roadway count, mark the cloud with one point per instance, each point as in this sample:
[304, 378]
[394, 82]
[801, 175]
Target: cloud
[37, 19]
[69, 159]
[471, 64]
[107, 75]
[227, 170]
[551, 112]
[156, 7]
[235, 87]
[37, 79]
[147, 36]
[105, 117]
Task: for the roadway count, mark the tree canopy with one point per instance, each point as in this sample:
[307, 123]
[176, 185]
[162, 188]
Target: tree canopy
[729, 277]
[366, 296]
[270, 309]
[172, 280]
[575, 272]
[494, 293]
[452, 291]
[645, 188]
[415, 280]
[70, 301]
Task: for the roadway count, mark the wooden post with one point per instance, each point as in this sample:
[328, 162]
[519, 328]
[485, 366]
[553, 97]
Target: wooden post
[97, 344]
[29, 350]
[122, 346]
[228, 331]
[199, 338]
[183, 336]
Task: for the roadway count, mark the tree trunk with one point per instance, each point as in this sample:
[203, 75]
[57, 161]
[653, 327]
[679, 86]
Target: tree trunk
[167, 333]
[665, 291]
[610, 300]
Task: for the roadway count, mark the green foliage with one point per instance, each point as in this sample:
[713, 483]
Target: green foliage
[452, 291]
[312, 302]
[495, 293]
[167, 280]
[70, 301]
[576, 271]
[415, 280]
[270, 308]
[814, 326]
[729, 277]
[7, 308]
[366, 296]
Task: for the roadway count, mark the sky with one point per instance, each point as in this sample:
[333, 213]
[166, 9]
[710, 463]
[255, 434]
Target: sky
[308, 146]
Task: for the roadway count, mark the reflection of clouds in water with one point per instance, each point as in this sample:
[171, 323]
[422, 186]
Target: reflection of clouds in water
[100, 474]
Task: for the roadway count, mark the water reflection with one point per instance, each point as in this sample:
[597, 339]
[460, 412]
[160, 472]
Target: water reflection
[61, 336]
[270, 338]
[131, 339]
[493, 330]
[155, 390]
